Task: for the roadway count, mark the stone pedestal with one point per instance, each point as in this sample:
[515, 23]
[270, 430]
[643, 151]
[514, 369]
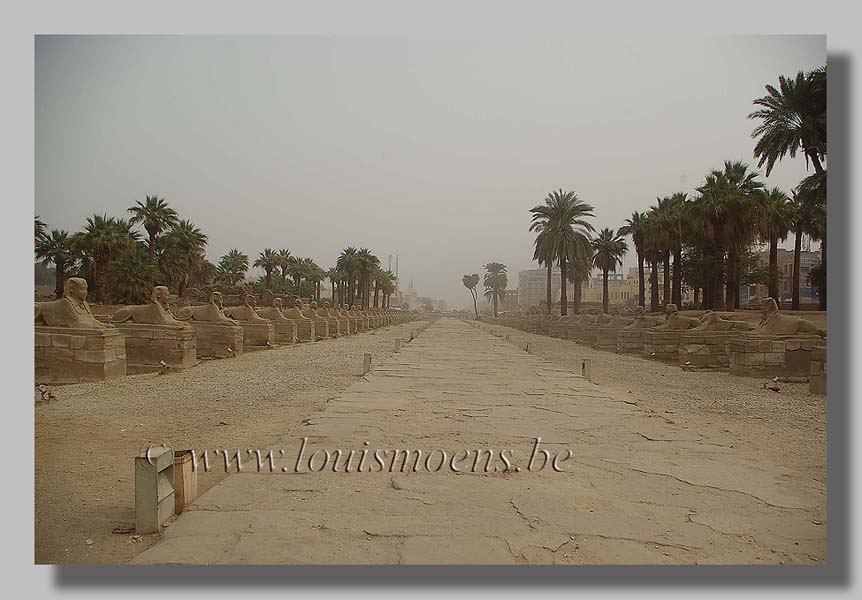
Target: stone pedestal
[573, 331]
[706, 350]
[817, 378]
[662, 344]
[66, 355]
[148, 345]
[285, 332]
[607, 337]
[216, 340]
[630, 341]
[590, 334]
[782, 355]
[256, 335]
[557, 328]
[305, 330]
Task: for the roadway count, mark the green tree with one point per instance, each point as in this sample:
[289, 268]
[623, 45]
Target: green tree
[776, 220]
[348, 263]
[608, 251]
[563, 234]
[470, 282]
[367, 263]
[156, 216]
[232, 267]
[190, 243]
[268, 260]
[56, 249]
[635, 227]
[132, 276]
[103, 239]
[495, 283]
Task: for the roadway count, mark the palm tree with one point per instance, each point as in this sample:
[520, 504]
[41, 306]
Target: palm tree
[776, 221]
[635, 227]
[793, 118]
[132, 276]
[102, 240]
[40, 229]
[608, 251]
[232, 267]
[268, 260]
[284, 263]
[495, 283]
[812, 194]
[366, 262]
[156, 216]
[191, 243]
[652, 253]
[388, 289]
[564, 231]
[348, 263]
[55, 249]
[470, 282]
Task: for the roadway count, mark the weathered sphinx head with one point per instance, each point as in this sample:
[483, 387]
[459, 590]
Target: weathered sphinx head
[75, 288]
[278, 303]
[217, 300]
[160, 296]
[768, 307]
[670, 310]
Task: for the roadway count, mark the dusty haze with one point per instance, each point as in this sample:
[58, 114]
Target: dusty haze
[433, 148]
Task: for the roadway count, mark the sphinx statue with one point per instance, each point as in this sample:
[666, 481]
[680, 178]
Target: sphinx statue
[247, 312]
[305, 329]
[676, 322]
[773, 322]
[212, 312]
[321, 325]
[342, 322]
[154, 313]
[714, 322]
[71, 310]
[274, 313]
[643, 320]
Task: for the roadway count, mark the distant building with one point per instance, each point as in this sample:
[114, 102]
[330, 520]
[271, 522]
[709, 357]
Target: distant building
[807, 293]
[533, 287]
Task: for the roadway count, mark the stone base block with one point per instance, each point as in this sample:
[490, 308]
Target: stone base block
[65, 355]
[662, 344]
[590, 334]
[217, 340]
[607, 337]
[817, 379]
[148, 345]
[305, 331]
[630, 341]
[257, 336]
[707, 350]
[783, 355]
[285, 332]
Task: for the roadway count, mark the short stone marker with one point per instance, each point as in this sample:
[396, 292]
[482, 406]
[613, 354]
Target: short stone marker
[154, 489]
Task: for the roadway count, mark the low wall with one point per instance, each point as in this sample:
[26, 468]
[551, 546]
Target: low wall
[787, 355]
[147, 345]
[66, 355]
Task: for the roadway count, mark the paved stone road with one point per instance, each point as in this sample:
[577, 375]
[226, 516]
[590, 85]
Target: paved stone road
[638, 488]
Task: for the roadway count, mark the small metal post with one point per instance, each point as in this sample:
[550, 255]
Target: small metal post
[397, 345]
[366, 363]
[587, 369]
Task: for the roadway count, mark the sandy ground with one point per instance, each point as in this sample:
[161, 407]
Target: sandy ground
[789, 426]
[86, 439]
[658, 474]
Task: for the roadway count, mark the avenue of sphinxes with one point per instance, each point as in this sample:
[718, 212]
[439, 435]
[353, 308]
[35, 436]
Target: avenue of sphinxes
[285, 329]
[662, 341]
[71, 344]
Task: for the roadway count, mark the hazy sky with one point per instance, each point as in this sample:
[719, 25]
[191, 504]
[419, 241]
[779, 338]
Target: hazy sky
[432, 148]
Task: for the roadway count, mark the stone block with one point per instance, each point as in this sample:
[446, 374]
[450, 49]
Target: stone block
[148, 345]
[257, 335]
[213, 340]
[67, 355]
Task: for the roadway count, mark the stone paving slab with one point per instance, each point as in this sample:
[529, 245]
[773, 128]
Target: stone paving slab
[638, 489]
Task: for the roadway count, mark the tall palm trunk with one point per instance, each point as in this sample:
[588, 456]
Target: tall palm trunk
[604, 290]
[797, 249]
[549, 300]
[696, 295]
[152, 248]
[717, 280]
[494, 296]
[641, 281]
[676, 293]
[59, 276]
[773, 270]
[732, 291]
[100, 274]
[475, 304]
[653, 284]
[564, 299]
[666, 283]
